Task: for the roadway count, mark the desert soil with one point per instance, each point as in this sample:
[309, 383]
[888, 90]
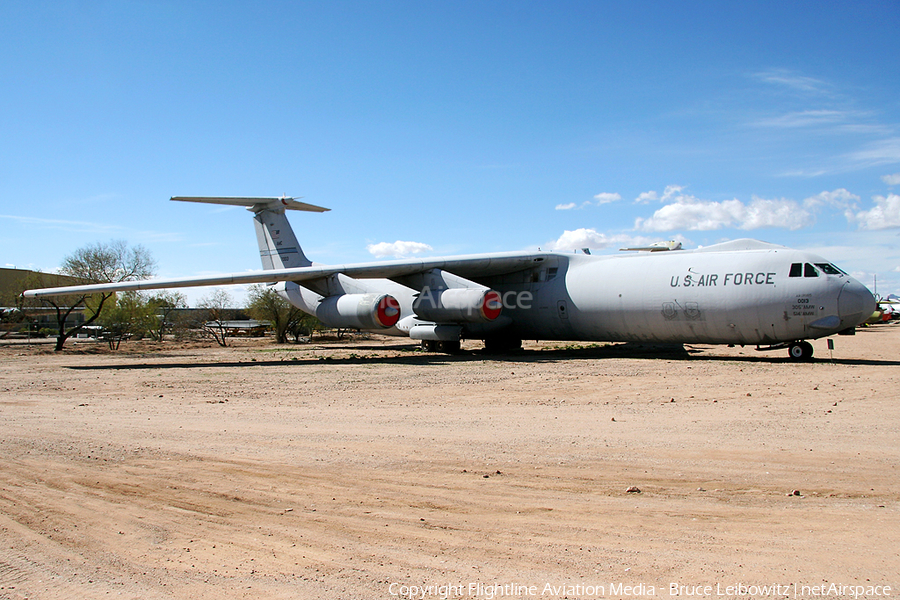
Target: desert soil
[372, 470]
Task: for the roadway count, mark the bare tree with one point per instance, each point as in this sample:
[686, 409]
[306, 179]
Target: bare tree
[97, 263]
[217, 310]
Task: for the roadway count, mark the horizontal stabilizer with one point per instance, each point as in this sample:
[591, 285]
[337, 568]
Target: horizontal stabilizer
[255, 204]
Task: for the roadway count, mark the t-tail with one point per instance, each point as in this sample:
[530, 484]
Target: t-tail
[278, 246]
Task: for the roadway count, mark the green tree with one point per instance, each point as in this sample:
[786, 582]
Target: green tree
[130, 316]
[165, 306]
[307, 325]
[264, 304]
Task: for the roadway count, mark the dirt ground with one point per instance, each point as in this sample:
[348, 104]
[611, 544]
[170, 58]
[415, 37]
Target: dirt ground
[373, 470]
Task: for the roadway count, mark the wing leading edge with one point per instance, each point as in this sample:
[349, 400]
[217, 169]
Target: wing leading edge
[476, 265]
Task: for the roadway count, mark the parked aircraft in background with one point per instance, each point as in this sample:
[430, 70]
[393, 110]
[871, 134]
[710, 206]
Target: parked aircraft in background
[739, 292]
[886, 310]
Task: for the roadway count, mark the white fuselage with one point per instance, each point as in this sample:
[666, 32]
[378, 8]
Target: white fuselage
[684, 297]
[725, 296]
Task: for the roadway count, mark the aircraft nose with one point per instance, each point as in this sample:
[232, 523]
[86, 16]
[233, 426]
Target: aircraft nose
[855, 304]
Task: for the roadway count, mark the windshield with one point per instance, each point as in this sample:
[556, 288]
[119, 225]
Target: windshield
[830, 269]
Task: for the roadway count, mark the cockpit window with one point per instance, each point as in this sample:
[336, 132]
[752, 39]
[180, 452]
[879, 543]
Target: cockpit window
[830, 269]
[797, 270]
[810, 271]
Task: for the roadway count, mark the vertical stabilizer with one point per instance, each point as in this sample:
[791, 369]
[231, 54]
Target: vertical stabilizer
[278, 246]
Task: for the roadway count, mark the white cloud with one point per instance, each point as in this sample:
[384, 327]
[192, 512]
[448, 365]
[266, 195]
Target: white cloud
[873, 154]
[791, 80]
[891, 179]
[591, 238]
[803, 173]
[775, 213]
[606, 198]
[884, 215]
[398, 249]
[66, 225]
[882, 152]
[805, 118]
[599, 200]
[839, 198]
[670, 192]
[580, 238]
[692, 214]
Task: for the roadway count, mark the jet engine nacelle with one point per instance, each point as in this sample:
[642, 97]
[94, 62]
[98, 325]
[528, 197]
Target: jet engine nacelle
[359, 311]
[458, 305]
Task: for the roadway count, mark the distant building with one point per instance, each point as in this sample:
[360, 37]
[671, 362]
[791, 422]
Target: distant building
[14, 281]
[241, 327]
[38, 316]
[41, 315]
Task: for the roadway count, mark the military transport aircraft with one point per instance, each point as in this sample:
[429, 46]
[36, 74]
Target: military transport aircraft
[738, 292]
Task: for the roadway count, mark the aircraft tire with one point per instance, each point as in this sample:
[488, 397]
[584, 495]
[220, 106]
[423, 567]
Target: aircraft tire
[449, 347]
[800, 351]
[430, 345]
[501, 345]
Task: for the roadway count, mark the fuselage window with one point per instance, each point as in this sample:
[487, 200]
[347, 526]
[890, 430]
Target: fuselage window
[810, 271]
[538, 276]
[797, 270]
[829, 269]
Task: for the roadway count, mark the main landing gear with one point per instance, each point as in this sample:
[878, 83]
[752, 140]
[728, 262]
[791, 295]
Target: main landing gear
[502, 345]
[492, 345]
[445, 346]
[801, 351]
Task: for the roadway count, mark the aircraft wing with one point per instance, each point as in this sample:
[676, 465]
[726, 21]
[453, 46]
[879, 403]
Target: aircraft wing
[476, 265]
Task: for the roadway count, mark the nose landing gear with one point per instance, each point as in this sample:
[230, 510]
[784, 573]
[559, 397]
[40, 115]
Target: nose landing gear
[801, 351]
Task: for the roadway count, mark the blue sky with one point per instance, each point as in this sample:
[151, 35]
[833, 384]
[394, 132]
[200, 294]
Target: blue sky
[454, 127]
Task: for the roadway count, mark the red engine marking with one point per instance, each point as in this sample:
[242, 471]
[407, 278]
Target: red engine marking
[388, 311]
[491, 305]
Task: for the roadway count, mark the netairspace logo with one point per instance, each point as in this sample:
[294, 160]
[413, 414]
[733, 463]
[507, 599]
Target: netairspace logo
[779, 590]
[495, 591]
